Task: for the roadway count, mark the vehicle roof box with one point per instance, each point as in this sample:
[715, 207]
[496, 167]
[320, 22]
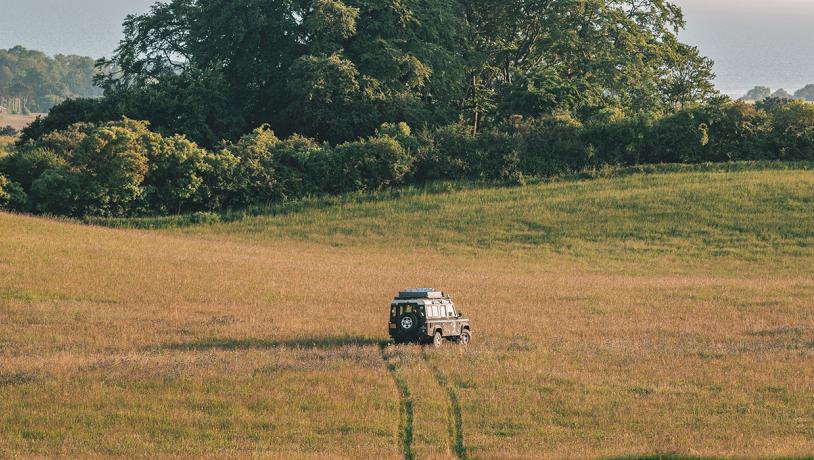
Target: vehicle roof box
[423, 293]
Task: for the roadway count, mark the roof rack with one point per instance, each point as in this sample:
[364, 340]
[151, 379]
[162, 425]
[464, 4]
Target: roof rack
[421, 293]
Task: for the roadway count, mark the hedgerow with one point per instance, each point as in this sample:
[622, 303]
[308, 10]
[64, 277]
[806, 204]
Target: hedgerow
[121, 169]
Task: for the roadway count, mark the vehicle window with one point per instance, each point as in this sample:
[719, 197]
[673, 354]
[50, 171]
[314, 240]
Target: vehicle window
[450, 310]
[433, 311]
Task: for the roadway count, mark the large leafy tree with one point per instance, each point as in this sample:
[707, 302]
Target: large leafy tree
[326, 68]
[337, 69]
[581, 55]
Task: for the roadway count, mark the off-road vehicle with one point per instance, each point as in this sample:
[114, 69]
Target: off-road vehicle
[427, 316]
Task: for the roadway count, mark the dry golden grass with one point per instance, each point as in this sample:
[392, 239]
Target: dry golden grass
[218, 344]
[16, 121]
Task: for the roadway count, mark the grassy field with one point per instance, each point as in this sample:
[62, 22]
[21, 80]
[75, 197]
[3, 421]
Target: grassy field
[638, 315]
[17, 122]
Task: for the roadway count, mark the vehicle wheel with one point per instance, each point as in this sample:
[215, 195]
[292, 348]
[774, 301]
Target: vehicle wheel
[408, 323]
[437, 339]
[465, 337]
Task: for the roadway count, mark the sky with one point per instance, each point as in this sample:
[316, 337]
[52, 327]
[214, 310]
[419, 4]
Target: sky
[753, 42]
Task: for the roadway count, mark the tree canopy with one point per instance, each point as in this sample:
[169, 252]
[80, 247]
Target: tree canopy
[337, 69]
[758, 93]
[31, 81]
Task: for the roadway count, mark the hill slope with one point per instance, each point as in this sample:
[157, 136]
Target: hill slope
[644, 314]
[744, 214]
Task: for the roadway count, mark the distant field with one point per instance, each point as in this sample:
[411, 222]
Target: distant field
[17, 122]
[640, 315]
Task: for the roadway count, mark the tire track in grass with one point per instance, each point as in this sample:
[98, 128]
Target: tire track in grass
[456, 429]
[405, 405]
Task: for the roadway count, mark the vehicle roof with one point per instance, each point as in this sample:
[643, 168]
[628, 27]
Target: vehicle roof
[398, 300]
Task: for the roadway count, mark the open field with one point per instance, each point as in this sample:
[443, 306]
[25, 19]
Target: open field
[17, 122]
[647, 314]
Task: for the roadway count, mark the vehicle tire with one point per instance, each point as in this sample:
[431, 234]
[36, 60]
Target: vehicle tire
[408, 323]
[465, 337]
[437, 339]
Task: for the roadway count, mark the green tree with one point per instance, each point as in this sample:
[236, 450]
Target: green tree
[805, 93]
[757, 94]
[583, 55]
[31, 81]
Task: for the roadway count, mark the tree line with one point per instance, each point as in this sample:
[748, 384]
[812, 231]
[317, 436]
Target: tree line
[31, 81]
[117, 169]
[254, 102]
[759, 93]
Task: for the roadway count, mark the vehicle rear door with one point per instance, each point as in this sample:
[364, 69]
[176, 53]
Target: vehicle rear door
[451, 327]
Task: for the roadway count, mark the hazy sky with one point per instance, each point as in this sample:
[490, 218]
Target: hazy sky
[769, 42]
[766, 42]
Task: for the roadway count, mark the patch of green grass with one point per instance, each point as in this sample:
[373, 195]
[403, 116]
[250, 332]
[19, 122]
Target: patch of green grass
[746, 215]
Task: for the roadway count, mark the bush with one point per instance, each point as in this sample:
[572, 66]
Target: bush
[27, 164]
[57, 191]
[618, 142]
[373, 164]
[8, 131]
[792, 137]
[446, 154]
[553, 146]
[66, 114]
[12, 196]
[677, 138]
[219, 189]
[175, 174]
[294, 161]
[124, 169]
[736, 131]
[254, 179]
[63, 143]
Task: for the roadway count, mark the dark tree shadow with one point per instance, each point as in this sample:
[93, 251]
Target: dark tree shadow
[319, 343]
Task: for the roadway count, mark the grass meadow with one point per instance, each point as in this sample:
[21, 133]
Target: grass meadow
[645, 314]
[17, 121]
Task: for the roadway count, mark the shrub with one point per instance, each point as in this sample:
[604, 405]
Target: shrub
[736, 131]
[8, 131]
[101, 176]
[68, 113]
[293, 160]
[25, 165]
[373, 164]
[12, 195]
[553, 146]
[496, 156]
[254, 176]
[792, 137]
[677, 138]
[618, 142]
[63, 143]
[446, 154]
[175, 173]
[219, 189]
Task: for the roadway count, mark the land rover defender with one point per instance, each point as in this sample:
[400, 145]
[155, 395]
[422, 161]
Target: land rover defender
[427, 316]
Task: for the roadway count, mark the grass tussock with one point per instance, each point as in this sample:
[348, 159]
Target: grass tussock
[622, 317]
